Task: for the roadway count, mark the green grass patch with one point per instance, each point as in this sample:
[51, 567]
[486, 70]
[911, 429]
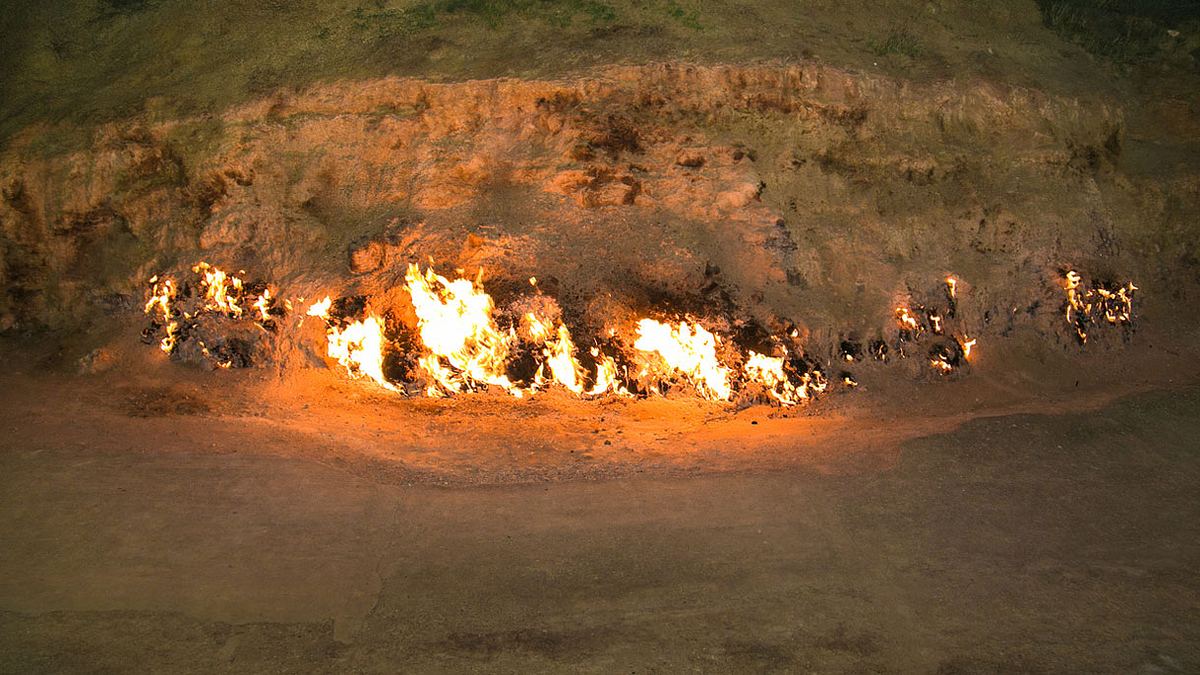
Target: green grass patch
[685, 17]
[899, 41]
[386, 21]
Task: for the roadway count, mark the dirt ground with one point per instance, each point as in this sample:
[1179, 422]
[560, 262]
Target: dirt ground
[248, 521]
[1028, 543]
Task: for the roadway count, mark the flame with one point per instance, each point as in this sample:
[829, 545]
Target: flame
[539, 330]
[358, 346]
[768, 371]
[222, 292]
[170, 340]
[941, 364]
[162, 292]
[560, 356]
[606, 376]
[1083, 306]
[689, 351]
[878, 350]
[559, 352]
[463, 349]
[966, 344]
[454, 319]
[263, 305]
[1071, 282]
[320, 308]
[814, 382]
[1117, 306]
[906, 320]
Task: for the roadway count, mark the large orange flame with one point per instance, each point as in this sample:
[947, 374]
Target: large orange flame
[358, 346]
[465, 348]
[689, 351]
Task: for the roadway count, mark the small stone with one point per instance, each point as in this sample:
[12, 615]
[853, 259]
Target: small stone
[738, 196]
[97, 361]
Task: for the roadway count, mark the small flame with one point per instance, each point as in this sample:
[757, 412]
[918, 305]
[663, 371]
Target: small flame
[768, 371]
[814, 382]
[952, 287]
[263, 305]
[170, 340]
[1071, 282]
[222, 292]
[966, 344]
[559, 352]
[688, 350]
[358, 346]
[162, 292]
[321, 308]
[606, 376]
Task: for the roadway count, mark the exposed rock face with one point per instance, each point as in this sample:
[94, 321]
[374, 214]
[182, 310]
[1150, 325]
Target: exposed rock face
[798, 193]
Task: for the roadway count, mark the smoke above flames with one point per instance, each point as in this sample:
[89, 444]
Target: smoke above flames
[462, 344]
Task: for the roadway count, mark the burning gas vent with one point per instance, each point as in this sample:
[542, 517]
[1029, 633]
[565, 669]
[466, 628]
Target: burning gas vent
[1097, 304]
[462, 343]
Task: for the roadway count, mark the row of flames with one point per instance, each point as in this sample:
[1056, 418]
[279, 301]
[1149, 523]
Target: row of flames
[220, 293]
[464, 349]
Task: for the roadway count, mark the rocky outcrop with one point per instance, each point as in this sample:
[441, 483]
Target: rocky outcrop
[800, 193]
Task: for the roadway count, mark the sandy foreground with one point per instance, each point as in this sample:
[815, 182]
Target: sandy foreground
[1026, 542]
